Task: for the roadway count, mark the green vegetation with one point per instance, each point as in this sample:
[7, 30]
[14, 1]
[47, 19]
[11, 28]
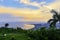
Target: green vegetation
[40, 34]
[16, 36]
[11, 33]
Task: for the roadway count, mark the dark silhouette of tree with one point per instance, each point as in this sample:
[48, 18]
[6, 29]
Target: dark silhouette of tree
[6, 25]
[56, 18]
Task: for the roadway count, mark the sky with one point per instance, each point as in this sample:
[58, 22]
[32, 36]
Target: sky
[27, 10]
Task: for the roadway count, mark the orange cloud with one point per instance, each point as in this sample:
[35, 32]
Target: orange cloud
[28, 14]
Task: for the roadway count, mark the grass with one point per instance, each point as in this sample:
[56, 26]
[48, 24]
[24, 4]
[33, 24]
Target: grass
[16, 36]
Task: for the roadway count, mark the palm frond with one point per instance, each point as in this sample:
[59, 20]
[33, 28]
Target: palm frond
[53, 11]
[53, 23]
[50, 20]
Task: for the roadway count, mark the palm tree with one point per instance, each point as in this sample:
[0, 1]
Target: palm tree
[56, 18]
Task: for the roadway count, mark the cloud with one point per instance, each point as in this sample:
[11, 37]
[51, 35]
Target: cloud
[27, 14]
[27, 2]
[45, 8]
[38, 15]
[41, 5]
[55, 5]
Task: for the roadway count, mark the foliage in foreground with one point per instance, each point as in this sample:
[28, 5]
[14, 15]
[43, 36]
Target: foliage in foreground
[40, 34]
[45, 34]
